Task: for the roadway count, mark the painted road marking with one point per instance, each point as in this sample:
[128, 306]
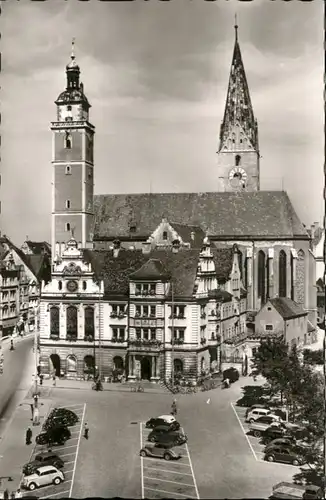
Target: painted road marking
[167, 481]
[166, 470]
[72, 446]
[169, 493]
[244, 432]
[74, 470]
[67, 454]
[174, 479]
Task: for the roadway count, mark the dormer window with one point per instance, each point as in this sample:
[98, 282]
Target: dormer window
[165, 235]
[68, 140]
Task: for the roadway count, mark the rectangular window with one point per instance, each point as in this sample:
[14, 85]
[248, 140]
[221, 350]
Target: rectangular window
[152, 311]
[118, 333]
[179, 333]
[67, 203]
[179, 312]
[153, 333]
[145, 311]
[145, 333]
[138, 311]
[138, 333]
[269, 328]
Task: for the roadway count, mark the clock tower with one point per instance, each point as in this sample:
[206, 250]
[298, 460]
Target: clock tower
[238, 153]
[73, 165]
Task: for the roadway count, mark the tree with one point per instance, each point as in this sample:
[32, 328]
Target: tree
[270, 360]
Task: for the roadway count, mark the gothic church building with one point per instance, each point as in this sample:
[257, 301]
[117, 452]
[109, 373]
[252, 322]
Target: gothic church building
[159, 283]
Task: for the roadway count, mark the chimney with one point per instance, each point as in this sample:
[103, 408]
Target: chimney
[192, 236]
[175, 246]
[146, 247]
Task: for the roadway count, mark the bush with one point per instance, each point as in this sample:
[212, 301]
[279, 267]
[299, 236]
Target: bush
[252, 395]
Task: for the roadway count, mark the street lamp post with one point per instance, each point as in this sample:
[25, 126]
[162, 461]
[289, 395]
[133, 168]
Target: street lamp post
[35, 357]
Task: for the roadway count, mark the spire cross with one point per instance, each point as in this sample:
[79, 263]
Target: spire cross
[73, 48]
[236, 27]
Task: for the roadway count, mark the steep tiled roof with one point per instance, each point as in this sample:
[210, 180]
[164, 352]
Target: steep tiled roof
[40, 265]
[223, 215]
[38, 247]
[287, 308]
[186, 231]
[152, 269]
[223, 259]
[115, 271]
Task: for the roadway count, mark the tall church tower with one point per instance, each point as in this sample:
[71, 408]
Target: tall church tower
[238, 153]
[73, 165]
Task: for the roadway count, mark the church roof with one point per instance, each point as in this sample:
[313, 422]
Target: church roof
[264, 214]
[287, 308]
[238, 107]
[186, 232]
[181, 267]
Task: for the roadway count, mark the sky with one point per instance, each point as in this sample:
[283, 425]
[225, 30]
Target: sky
[156, 75]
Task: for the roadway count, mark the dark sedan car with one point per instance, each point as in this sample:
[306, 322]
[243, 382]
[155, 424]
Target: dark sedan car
[163, 420]
[285, 454]
[60, 417]
[164, 434]
[55, 435]
[46, 458]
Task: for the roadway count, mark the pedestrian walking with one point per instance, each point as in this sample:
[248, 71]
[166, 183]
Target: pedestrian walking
[86, 430]
[54, 380]
[174, 409]
[41, 379]
[12, 495]
[32, 410]
[6, 494]
[12, 345]
[29, 435]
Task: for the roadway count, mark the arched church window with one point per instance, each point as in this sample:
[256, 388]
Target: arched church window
[292, 277]
[262, 276]
[282, 274]
[68, 226]
[72, 322]
[68, 140]
[240, 262]
[60, 285]
[84, 285]
[237, 160]
[54, 320]
[68, 170]
[300, 278]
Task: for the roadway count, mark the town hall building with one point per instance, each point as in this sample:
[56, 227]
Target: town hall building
[154, 284]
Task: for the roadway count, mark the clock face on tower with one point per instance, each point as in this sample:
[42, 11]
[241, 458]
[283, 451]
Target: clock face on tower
[72, 286]
[238, 177]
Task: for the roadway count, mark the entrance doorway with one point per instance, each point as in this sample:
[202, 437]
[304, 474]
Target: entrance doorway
[55, 361]
[145, 368]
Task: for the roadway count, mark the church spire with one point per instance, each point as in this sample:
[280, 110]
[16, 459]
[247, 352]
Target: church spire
[72, 70]
[238, 108]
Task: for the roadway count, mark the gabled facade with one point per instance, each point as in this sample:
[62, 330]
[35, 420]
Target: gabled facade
[36, 247]
[154, 312]
[9, 297]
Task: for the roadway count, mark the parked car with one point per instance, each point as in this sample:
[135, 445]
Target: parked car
[293, 491]
[256, 407]
[283, 441]
[285, 454]
[257, 427]
[42, 477]
[60, 417]
[284, 430]
[159, 450]
[162, 434]
[260, 412]
[163, 420]
[55, 435]
[232, 374]
[45, 458]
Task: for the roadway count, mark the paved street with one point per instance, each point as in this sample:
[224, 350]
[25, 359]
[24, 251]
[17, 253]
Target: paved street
[16, 377]
[254, 443]
[162, 479]
[223, 464]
